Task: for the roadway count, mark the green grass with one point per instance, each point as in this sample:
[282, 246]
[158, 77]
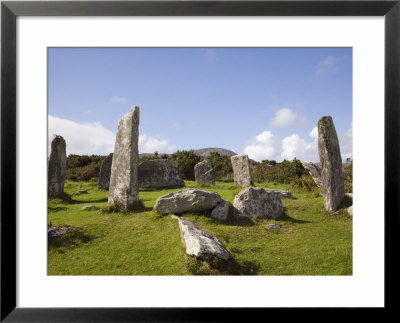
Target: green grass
[309, 242]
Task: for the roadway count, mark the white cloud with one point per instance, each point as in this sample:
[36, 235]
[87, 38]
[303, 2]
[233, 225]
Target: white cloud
[151, 144]
[285, 117]
[264, 146]
[314, 133]
[328, 64]
[295, 147]
[117, 100]
[82, 139]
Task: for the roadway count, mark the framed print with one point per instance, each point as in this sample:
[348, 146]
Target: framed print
[228, 74]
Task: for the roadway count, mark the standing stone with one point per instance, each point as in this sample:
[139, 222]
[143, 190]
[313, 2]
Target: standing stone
[124, 187]
[314, 171]
[57, 165]
[241, 170]
[105, 173]
[331, 164]
[204, 173]
[159, 173]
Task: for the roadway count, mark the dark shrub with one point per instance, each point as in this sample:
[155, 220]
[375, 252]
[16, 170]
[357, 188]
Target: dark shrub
[186, 160]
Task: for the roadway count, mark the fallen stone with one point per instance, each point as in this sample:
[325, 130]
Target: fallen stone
[331, 164]
[105, 173]
[241, 170]
[57, 166]
[257, 202]
[187, 200]
[273, 226]
[89, 208]
[314, 171]
[349, 194]
[57, 232]
[221, 211]
[350, 210]
[124, 188]
[204, 173]
[83, 192]
[201, 244]
[283, 194]
[159, 173]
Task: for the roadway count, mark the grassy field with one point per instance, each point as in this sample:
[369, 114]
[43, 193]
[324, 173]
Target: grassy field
[309, 241]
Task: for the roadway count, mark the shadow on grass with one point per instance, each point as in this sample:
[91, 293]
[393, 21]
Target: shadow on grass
[346, 202]
[287, 218]
[71, 239]
[158, 189]
[56, 209]
[218, 266]
[117, 207]
[104, 199]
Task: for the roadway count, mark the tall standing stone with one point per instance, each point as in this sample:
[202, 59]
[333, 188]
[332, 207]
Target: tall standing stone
[204, 173]
[241, 170]
[124, 187]
[57, 165]
[105, 173]
[331, 164]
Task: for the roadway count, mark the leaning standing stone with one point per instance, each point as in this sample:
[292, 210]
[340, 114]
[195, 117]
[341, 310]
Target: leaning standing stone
[124, 187]
[204, 173]
[57, 166]
[314, 171]
[331, 164]
[241, 170]
[105, 173]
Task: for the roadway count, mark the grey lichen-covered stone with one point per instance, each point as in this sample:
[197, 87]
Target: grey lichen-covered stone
[331, 164]
[221, 211]
[314, 171]
[204, 173]
[283, 194]
[57, 232]
[241, 170]
[349, 194]
[187, 200]
[257, 202]
[105, 173]
[159, 173]
[124, 188]
[57, 166]
[201, 244]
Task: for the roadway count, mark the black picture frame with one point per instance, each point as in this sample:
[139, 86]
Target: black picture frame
[10, 10]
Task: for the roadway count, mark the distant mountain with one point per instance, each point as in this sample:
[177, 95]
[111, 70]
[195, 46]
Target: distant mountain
[201, 152]
[206, 151]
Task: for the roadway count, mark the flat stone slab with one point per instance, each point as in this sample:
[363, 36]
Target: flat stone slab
[159, 173]
[283, 194]
[57, 232]
[187, 200]
[257, 202]
[221, 211]
[201, 244]
[349, 194]
[350, 210]
[273, 226]
[89, 208]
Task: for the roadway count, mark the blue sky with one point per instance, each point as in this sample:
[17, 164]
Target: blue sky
[261, 101]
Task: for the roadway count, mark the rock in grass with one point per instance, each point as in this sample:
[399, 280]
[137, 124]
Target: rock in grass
[257, 202]
[273, 226]
[331, 164]
[187, 200]
[350, 210]
[57, 166]
[204, 173]
[89, 208]
[241, 170]
[221, 211]
[283, 194]
[57, 232]
[124, 187]
[201, 244]
[105, 173]
[159, 173]
[83, 192]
